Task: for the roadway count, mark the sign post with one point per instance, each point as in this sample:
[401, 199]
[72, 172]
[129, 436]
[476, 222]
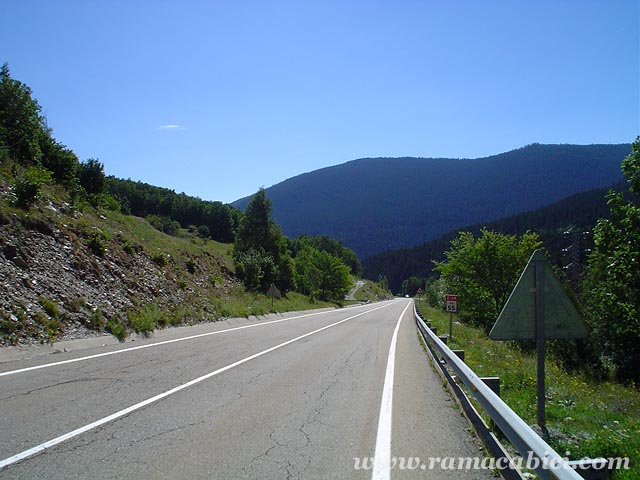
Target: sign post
[452, 304]
[538, 309]
[273, 292]
[540, 346]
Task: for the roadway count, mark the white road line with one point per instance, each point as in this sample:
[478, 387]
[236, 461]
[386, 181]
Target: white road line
[382, 456]
[43, 446]
[140, 347]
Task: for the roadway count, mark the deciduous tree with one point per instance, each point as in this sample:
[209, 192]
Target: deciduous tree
[613, 277]
[259, 232]
[21, 125]
[484, 270]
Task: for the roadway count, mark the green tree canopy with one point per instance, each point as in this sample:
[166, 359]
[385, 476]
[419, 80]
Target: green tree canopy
[91, 176]
[484, 270]
[330, 245]
[321, 275]
[612, 284]
[259, 234]
[21, 125]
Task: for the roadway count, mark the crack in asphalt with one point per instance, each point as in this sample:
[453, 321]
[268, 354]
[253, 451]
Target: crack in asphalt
[67, 382]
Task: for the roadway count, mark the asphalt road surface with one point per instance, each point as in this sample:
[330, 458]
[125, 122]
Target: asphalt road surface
[312, 395]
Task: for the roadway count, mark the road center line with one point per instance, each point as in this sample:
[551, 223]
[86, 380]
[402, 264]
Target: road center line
[382, 456]
[43, 446]
[150, 345]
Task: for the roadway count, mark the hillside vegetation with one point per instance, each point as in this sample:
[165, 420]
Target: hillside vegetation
[378, 204]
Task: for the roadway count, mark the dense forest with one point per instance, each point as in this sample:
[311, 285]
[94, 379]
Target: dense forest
[565, 228]
[375, 205]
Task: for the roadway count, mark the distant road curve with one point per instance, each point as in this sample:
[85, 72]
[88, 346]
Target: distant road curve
[359, 284]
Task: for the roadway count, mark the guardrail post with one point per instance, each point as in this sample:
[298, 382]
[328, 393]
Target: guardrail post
[434, 330]
[591, 468]
[459, 353]
[444, 339]
[494, 384]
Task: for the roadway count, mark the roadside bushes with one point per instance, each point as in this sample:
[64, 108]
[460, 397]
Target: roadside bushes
[28, 185]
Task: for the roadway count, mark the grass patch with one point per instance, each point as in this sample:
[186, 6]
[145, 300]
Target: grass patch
[96, 320]
[584, 417]
[244, 304]
[117, 329]
[49, 306]
[144, 320]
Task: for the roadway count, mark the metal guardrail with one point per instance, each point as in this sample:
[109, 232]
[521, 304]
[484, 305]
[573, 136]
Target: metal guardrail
[524, 439]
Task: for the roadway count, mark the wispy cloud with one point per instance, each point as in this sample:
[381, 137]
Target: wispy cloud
[170, 127]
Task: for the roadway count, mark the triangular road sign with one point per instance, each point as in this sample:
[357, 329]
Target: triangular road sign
[517, 319]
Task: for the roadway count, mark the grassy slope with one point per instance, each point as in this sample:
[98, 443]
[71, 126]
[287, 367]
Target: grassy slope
[371, 291]
[584, 418]
[209, 293]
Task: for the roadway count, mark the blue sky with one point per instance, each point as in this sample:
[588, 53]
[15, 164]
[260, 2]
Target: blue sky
[219, 98]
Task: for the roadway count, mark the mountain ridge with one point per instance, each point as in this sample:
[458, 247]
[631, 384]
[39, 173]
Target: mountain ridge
[578, 212]
[384, 203]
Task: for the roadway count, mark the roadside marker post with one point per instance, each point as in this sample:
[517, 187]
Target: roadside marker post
[538, 309]
[452, 305]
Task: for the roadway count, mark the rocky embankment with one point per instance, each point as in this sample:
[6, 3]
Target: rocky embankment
[57, 283]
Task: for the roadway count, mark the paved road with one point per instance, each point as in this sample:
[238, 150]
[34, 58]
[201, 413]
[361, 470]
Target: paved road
[289, 396]
[359, 284]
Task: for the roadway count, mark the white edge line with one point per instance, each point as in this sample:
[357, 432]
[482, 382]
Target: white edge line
[140, 347]
[382, 456]
[43, 446]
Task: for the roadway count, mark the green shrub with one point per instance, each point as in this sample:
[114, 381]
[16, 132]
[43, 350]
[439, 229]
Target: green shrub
[203, 231]
[127, 247]
[7, 327]
[49, 306]
[97, 242]
[19, 311]
[106, 201]
[28, 185]
[191, 266]
[164, 224]
[178, 314]
[117, 329]
[96, 320]
[53, 327]
[144, 320]
[160, 258]
[40, 318]
[91, 176]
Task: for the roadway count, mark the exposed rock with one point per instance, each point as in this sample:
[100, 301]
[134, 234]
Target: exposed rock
[20, 262]
[62, 269]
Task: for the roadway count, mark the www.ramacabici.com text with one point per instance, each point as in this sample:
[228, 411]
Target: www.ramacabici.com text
[532, 462]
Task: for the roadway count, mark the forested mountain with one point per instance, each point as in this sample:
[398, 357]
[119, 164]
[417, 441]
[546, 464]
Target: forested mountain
[580, 211]
[379, 204]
